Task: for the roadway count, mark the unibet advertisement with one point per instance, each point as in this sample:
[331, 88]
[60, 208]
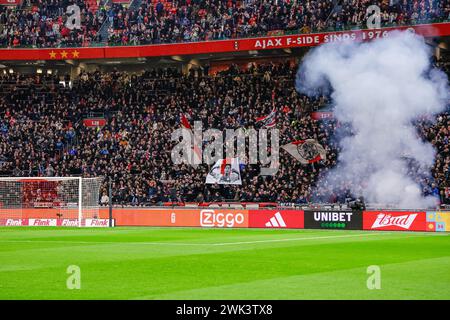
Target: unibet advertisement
[339, 219]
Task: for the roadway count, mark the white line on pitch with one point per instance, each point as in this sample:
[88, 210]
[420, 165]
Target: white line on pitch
[361, 235]
[108, 242]
[297, 239]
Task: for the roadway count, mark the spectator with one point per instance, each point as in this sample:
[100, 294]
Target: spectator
[104, 200]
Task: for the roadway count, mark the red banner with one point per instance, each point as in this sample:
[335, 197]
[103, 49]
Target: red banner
[264, 43]
[10, 2]
[321, 115]
[97, 122]
[219, 218]
[284, 219]
[395, 220]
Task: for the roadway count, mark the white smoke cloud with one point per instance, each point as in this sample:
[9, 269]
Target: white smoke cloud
[379, 88]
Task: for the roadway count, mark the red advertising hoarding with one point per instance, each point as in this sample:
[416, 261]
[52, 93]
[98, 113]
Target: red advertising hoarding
[321, 115]
[10, 2]
[283, 219]
[217, 46]
[11, 222]
[218, 218]
[94, 122]
[54, 222]
[395, 220]
[223, 218]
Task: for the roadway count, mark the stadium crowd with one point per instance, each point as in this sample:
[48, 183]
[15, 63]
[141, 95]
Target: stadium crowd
[42, 132]
[42, 23]
[166, 21]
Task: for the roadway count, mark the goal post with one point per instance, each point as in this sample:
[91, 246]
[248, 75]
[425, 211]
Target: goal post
[80, 199]
[52, 201]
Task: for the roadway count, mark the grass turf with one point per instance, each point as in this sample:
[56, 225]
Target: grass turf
[186, 263]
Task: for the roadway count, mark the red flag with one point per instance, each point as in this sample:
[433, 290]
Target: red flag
[196, 156]
[185, 122]
[270, 120]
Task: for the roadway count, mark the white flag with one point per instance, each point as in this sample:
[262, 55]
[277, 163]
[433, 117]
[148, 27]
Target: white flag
[225, 171]
[306, 151]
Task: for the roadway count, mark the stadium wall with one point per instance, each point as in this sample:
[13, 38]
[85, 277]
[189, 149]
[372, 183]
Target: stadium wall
[219, 46]
[380, 220]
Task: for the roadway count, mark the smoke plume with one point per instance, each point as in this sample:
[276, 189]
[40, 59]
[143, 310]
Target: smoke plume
[378, 89]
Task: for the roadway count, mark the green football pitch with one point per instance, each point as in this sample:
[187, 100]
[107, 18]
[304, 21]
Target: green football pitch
[187, 263]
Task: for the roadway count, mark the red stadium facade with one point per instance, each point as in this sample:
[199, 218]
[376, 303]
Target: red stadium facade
[222, 46]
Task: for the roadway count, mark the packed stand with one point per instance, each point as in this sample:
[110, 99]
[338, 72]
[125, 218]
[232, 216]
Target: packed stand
[41, 133]
[165, 21]
[42, 23]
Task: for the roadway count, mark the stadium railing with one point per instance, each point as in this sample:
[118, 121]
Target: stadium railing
[273, 205]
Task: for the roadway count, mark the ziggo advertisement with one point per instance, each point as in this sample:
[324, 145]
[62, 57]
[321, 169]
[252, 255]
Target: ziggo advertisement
[215, 218]
[182, 218]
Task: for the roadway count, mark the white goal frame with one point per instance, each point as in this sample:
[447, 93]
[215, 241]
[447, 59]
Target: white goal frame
[92, 197]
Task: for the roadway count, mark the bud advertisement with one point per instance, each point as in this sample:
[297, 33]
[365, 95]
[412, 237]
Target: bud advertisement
[395, 220]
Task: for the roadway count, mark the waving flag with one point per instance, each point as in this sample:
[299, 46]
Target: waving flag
[268, 121]
[225, 171]
[195, 154]
[306, 151]
[185, 122]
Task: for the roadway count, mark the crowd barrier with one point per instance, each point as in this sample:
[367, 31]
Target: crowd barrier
[383, 220]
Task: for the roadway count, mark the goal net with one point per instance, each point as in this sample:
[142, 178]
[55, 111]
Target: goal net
[51, 201]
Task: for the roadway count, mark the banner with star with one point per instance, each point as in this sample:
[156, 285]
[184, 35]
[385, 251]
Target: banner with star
[52, 54]
[202, 47]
